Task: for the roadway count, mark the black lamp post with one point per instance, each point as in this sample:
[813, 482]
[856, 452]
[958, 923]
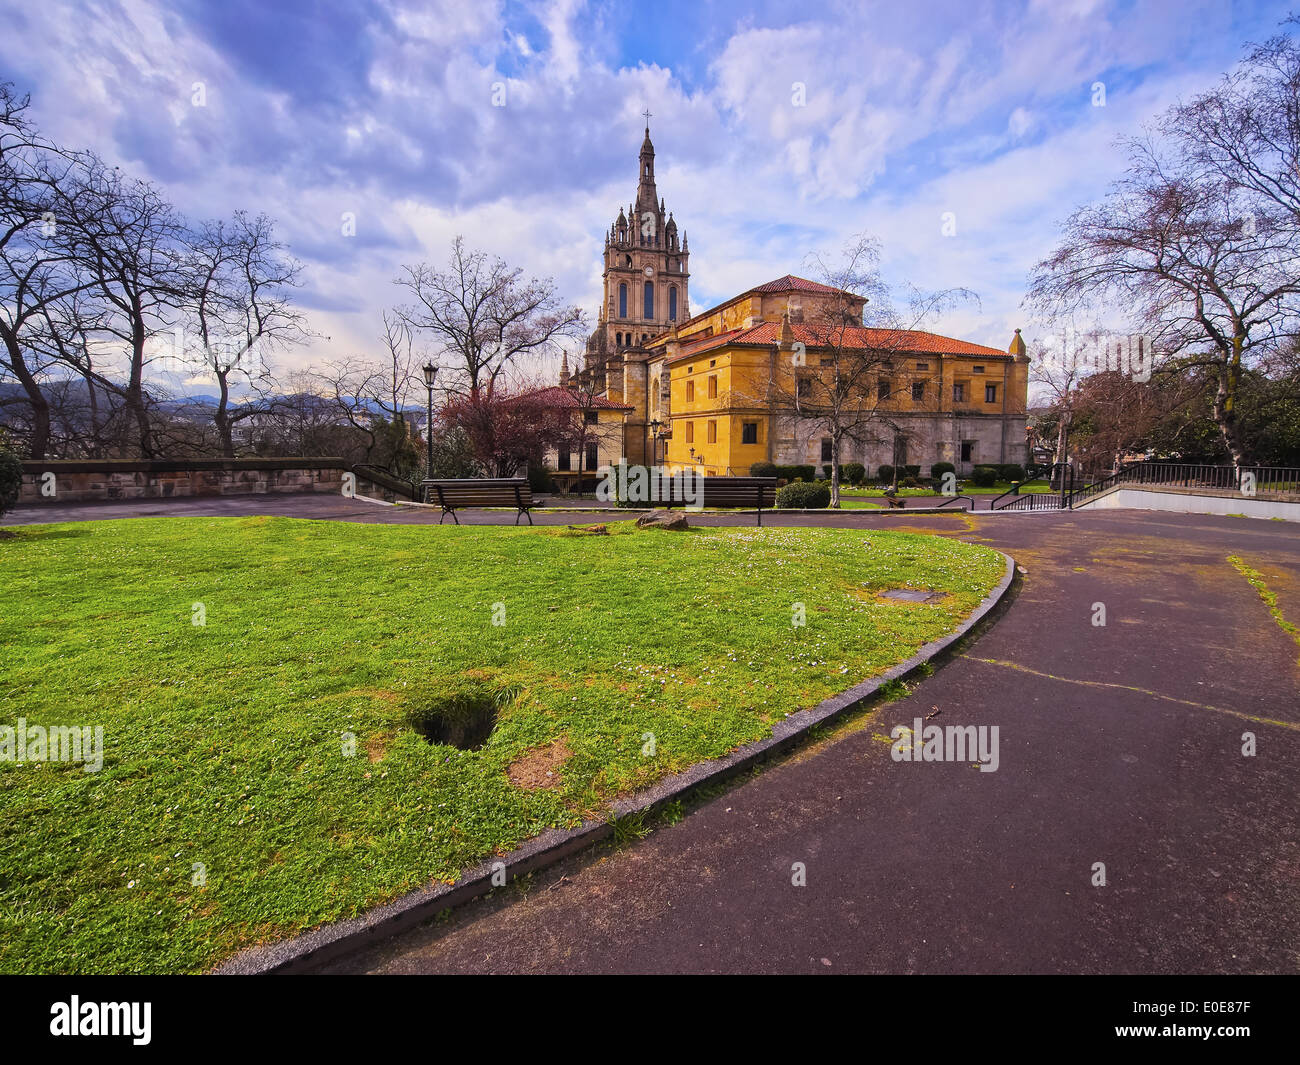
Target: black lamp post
[655, 425]
[430, 375]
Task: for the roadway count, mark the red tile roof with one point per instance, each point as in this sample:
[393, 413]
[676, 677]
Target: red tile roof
[903, 341]
[790, 283]
[567, 397]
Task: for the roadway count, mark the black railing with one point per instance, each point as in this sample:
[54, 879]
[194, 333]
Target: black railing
[380, 476]
[1248, 480]
[1033, 501]
[954, 499]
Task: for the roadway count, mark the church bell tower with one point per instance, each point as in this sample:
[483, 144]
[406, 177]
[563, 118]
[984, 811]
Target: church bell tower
[647, 271]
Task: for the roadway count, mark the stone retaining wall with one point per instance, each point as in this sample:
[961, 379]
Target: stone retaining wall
[79, 481]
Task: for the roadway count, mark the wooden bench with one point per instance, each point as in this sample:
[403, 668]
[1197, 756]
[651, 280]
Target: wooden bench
[453, 494]
[757, 492]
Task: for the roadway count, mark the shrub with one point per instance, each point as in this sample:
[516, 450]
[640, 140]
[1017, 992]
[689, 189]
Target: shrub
[940, 468]
[985, 476]
[797, 473]
[11, 479]
[853, 473]
[539, 477]
[828, 472]
[763, 469]
[1012, 471]
[911, 471]
[799, 496]
[886, 473]
[910, 482]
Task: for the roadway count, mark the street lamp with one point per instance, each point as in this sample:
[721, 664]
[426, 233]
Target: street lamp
[430, 375]
[655, 425]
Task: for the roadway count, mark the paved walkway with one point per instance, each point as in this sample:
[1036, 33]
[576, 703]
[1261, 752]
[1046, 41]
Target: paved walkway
[1119, 744]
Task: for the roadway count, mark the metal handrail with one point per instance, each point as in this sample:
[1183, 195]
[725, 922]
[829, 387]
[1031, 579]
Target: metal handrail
[953, 499]
[1192, 475]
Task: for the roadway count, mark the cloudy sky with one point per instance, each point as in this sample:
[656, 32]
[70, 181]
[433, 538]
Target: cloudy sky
[386, 109]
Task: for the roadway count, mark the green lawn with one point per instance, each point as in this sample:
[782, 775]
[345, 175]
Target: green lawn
[225, 743]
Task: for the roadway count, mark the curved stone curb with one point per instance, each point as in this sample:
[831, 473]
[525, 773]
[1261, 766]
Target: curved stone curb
[345, 937]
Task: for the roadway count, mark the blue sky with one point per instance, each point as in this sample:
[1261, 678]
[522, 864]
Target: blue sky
[383, 109]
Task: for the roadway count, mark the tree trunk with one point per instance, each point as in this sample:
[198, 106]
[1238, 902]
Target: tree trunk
[835, 473]
[1225, 402]
[40, 438]
[224, 427]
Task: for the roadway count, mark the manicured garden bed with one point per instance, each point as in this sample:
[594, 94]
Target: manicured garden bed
[229, 808]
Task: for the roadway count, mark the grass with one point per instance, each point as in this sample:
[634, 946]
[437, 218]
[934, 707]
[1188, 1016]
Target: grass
[262, 773]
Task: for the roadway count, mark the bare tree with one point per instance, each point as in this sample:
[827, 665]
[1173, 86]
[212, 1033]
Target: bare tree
[236, 310]
[128, 247]
[1198, 245]
[35, 266]
[482, 316]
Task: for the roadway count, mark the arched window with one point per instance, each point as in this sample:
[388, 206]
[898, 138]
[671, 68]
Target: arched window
[672, 303]
[649, 299]
[622, 301]
[618, 340]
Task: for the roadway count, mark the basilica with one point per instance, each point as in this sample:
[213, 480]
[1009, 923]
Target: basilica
[711, 391]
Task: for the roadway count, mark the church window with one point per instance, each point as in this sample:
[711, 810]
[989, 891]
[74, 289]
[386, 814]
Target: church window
[622, 301]
[672, 303]
[649, 299]
[749, 433]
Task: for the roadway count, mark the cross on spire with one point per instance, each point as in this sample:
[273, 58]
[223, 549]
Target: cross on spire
[646, 113]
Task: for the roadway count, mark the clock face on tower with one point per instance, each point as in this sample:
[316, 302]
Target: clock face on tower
[649, 271]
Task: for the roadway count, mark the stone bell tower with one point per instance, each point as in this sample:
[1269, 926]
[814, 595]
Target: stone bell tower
[647, 273]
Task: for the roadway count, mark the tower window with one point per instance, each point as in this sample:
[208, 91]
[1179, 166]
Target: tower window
[622, 301]
[649, 299]
[672, 303]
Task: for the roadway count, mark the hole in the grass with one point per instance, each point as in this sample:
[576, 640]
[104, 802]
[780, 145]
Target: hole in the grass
[914, 595]
[462, 716]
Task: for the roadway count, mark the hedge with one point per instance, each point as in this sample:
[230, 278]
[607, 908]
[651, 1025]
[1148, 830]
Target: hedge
[853, 472]
[799, 496]
[11, 479]
[985, 476]
[940, 468]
